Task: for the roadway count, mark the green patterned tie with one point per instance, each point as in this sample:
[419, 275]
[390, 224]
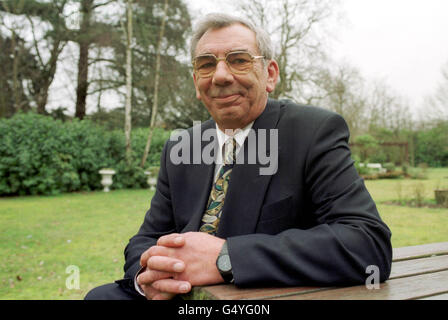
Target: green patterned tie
[212, 215]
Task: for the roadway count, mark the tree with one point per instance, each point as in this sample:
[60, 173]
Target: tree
[156, 86]
[84, 40]
[56, 44]
[17, 64]
[432, 147]
[127, 125]
[182, 115]
[367, 145]
[342, 89]
[91, 32]
[386, 109]
[147, 18]
[50, 43]
[436, 106]
[298, 31]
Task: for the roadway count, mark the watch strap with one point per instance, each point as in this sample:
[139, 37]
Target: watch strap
[226, 275]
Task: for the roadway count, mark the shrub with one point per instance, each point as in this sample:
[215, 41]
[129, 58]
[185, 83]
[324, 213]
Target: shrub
[399, 191]
[41, 155]
[139, 138]
[130, 176]
[405, 168]
[417, 173]
[367, 145]
[370, 176]
[431, 145]
[378, 156]
[389, 166]
[390, 175]
[418, 194]
[362, 169]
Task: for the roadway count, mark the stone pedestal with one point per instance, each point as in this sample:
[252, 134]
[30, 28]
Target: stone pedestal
[151, 179]
[106, 180]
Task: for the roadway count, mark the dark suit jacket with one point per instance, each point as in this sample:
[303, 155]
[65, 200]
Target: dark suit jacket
[312, 222]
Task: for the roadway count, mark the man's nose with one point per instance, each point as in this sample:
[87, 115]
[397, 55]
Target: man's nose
[222, 75]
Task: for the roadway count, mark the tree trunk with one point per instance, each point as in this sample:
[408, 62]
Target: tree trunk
[83, 62]
[127, 125]
[81, 91]
[49, 76]
[156, 88]
[42, 100]
[15, 73]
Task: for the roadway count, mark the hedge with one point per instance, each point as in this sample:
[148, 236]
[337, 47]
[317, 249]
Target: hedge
[432, 146]
[40, 155]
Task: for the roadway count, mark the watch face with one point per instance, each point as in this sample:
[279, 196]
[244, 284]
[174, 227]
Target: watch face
[224, 263]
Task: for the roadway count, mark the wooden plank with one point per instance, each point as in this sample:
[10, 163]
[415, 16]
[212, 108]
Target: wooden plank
[230, 292]
[400, 269]
[408, 261]
[415, 287]
[437, 297]
[409, 268]
[425, 250]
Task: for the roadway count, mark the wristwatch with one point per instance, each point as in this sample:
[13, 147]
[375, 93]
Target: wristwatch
[223, 264]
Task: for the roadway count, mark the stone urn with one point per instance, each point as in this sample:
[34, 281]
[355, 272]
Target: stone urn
[151, 174]
[106, 180]
[441, 196]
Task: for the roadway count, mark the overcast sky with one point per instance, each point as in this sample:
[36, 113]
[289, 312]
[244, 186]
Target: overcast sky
[402, 42]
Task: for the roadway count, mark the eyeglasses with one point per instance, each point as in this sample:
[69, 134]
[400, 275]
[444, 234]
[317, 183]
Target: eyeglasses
[239, 62]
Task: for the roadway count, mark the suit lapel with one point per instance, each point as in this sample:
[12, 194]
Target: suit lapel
[200, 180]
[247, 187]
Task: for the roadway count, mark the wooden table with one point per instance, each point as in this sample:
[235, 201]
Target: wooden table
[418, 272]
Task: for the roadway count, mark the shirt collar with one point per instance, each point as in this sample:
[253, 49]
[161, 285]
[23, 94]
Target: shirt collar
[239, 136]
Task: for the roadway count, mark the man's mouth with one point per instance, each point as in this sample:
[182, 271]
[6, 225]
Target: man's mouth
[227, 98]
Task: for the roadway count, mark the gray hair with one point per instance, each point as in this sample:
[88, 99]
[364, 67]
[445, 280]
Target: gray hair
[215, 21]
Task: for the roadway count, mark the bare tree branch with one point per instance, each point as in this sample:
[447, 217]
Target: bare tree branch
[103, 4]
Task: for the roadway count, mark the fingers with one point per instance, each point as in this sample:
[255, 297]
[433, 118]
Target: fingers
[165, 264]
[165, 289]
[153, 294]
[159, 280]
[174, 240]
[163, 246]
[163, 296]
[172, 286]
[145, 256]
[153, 251]
[150, 276]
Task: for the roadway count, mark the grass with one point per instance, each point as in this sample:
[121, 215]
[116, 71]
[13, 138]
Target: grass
[41, 236]
[410, 225]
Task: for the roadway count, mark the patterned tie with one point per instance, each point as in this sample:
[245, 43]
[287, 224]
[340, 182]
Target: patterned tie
[212, 215]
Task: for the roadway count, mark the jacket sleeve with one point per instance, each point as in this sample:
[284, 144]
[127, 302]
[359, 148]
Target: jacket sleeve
[348, 235]
[158, 221]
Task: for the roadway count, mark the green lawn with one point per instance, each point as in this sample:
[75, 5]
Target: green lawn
[41, 236]
[412, 226]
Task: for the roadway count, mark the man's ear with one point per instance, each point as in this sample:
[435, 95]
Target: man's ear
[198, 94]
[273, 74]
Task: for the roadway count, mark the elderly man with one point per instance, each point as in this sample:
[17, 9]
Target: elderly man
[311, 221]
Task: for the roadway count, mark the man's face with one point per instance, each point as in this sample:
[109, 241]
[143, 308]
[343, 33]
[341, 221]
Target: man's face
[234, 100]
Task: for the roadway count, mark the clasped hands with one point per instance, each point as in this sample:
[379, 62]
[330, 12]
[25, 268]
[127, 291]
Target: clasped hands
[179, 261]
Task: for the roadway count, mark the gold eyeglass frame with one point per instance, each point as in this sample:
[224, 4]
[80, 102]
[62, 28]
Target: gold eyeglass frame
[252, 59]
